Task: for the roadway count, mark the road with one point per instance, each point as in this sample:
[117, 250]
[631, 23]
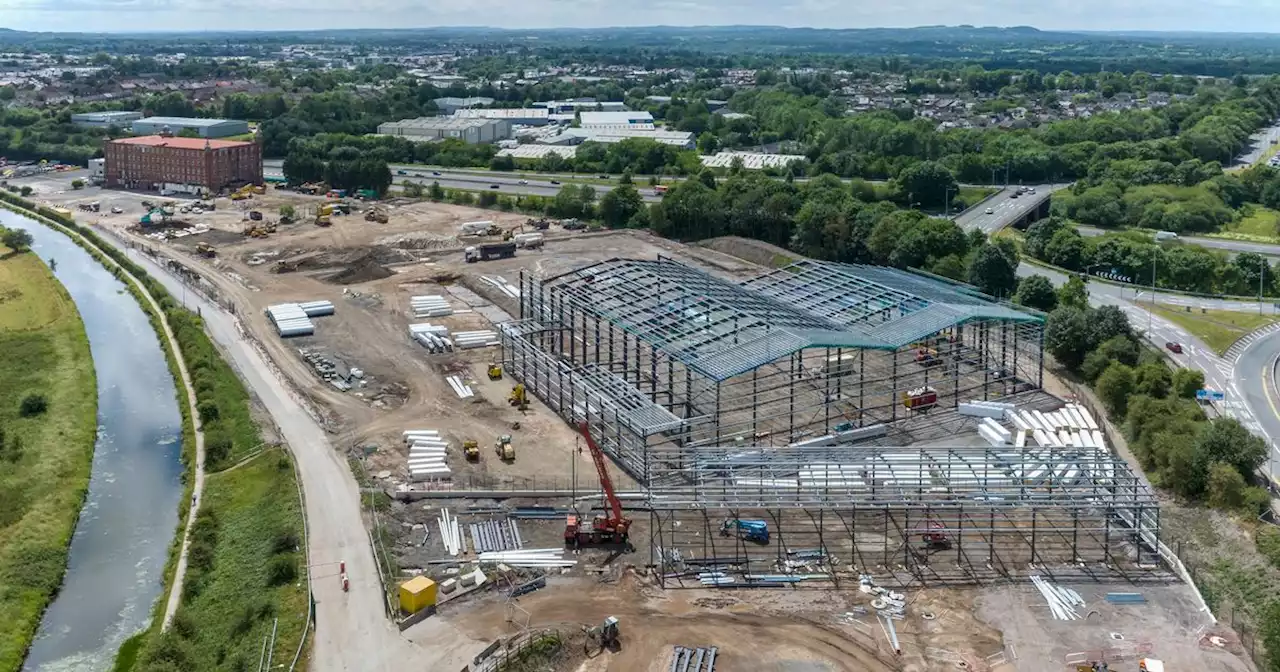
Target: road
[352, 632]
[547, 186]
[1260, 144]
[1005, 210]
[1232, 246]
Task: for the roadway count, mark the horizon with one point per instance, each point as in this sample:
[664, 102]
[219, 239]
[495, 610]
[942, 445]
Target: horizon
[200, 16]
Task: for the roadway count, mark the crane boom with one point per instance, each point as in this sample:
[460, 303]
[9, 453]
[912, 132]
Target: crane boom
[602, 471]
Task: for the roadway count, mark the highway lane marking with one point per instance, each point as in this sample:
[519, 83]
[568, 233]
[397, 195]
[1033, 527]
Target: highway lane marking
[1266, 389]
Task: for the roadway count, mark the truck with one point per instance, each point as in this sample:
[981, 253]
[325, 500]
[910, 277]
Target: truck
[489, 251]
[920, 399]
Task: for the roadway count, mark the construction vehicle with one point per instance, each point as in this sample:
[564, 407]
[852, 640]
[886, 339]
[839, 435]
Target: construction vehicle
[927, 357]
[519, 397]
[920, 399]
[489, 251]
[540, 224]
[206, 250]
[572, 224]
[471, 448]
[259, 189]
[1093, 666]
[495, 372]
[242, 193]
[1150, 665]
[935, 538]
[606, 528]
[603, 636]
[751, 530]
[377, 214]
[367, 194]
[506, 451]
[255, 215]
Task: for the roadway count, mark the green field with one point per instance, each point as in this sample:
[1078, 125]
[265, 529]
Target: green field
[1219, 329]
[246, 568]
[1262, 226]
[46, 459]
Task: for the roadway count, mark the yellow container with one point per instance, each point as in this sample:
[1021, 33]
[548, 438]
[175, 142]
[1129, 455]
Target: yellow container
[417, 594]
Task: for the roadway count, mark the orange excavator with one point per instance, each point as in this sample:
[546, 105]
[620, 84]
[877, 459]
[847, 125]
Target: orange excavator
[606, 529]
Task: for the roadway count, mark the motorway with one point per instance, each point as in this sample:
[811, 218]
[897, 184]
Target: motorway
[1260, 144]
[1231, 246]
[1005, 210]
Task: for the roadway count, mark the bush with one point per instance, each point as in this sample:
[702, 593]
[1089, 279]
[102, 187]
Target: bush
[1226, 487]
[208, 411]
[1114, 387]
[1186, 382]
[282, 570]
[286, 541]
[33, 405]
[1267, 541]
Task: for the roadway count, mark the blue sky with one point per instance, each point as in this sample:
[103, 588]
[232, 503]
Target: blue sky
[135, 15]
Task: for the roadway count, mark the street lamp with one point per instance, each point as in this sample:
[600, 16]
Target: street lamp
[1153, 294]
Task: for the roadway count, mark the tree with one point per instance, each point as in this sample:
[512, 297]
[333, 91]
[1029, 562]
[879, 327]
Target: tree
[1153, 379]
[1114, 387]
[1107, 322]
[77, 184]
[1073, 294]
[992, 272]
[1226, 440]
[1066, 336]
[1185, 470]
[1226, 487]
[411, 189]
[436, 192]
[17, 240]
[25, 190]
[1066, 249]
[620, 205]
[1040, 233]
[287, 211]
[1186, 382]
[1036, 292]
[927, 183]
[1121, 349]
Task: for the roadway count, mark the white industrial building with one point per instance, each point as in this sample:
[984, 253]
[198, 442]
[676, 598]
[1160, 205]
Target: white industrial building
[205, 128]
[581, 105]
[470, 131]
[750, 160]
[105, 119]
[533, 116]
[616, 119]
[452, 104]
[575, 136]
[538, 151]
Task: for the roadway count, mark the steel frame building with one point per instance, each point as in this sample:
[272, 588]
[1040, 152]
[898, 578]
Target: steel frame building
[722, 398]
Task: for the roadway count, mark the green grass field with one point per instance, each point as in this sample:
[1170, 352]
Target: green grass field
[1217, 328]
[246, 568]
[1262, 225]
[46, 459]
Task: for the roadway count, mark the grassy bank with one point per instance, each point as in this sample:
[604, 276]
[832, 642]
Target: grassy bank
[45, 458]
[1219, 329]
[223, 404]
[246, 568]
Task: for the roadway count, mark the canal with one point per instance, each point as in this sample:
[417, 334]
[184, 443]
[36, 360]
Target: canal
[116, 565]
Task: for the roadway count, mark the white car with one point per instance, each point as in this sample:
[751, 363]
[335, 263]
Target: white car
[117, 210]
[991, 211]
[524, 181]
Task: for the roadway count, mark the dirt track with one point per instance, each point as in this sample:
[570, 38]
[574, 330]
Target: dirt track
[748, 638]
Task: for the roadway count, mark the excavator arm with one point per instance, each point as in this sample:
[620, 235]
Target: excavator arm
[602, 471]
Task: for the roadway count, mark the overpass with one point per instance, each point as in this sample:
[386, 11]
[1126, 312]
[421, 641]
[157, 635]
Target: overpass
[1002, 209]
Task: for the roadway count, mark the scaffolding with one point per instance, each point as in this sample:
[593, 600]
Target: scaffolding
[722, 398]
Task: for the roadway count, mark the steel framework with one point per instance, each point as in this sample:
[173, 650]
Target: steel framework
[714, 395]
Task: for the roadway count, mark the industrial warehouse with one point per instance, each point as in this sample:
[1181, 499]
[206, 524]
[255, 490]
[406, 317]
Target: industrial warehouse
[736, 402]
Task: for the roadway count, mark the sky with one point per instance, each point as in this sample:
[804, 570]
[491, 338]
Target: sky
[194, 15]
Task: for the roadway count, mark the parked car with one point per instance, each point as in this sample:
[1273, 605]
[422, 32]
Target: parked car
[1175, 348]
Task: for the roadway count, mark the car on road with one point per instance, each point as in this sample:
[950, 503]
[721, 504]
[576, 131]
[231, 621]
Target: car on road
[1031, 191]
[605, 177]
[555, 181]
[991, 211]
[435, 172]
[402, 172]
[494, 186]
[117, 210]
[1013, 195]
[1175, 348]
[524, 181]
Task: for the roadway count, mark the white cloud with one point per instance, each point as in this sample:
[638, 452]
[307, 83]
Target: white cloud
[122, 15]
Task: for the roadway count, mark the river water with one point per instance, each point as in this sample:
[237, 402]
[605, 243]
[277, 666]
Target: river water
[118, 552]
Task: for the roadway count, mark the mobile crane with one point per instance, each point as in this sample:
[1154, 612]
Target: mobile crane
[610, 528]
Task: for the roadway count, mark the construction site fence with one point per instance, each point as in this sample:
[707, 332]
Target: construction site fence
[501, 653]
[586, 485]
[1242, 624]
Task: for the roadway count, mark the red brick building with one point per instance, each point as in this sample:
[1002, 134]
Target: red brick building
[154, 161]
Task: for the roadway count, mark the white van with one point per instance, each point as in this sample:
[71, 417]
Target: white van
[1162, 236]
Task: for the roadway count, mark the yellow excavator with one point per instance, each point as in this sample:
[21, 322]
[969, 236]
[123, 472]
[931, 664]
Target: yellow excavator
[495, 372]
[206, 250]
[471, 448]
[519, 397]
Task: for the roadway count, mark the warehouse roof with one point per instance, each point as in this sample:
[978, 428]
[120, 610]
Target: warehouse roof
[538, 151]
[180, 143]
[503, 113]
[722, 329]
[193, 122]
[614, 118]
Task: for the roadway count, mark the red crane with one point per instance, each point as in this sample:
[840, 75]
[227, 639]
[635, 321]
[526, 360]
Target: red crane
[605, 529]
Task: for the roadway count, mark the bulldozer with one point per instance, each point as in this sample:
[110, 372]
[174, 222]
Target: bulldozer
[519, 397]
[376, 215]
[471, 448]
[506, 451]
[495, 372]
[206, 250]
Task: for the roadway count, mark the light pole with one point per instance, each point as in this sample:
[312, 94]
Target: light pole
[1262, 273]
[1153, 295]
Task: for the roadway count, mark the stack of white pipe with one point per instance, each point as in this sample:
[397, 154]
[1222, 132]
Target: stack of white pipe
[1061, 600]
[450, 533]
[427, 455]
[433, 337]
[430, 305]
[460, 388]
[475, 339]
[502, 285]
[529, 557]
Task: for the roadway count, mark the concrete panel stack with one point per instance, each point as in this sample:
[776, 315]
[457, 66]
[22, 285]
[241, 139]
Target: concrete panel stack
[290, 320]
[465, 340]
[430, 305]
[317, 308]
[433, 337]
